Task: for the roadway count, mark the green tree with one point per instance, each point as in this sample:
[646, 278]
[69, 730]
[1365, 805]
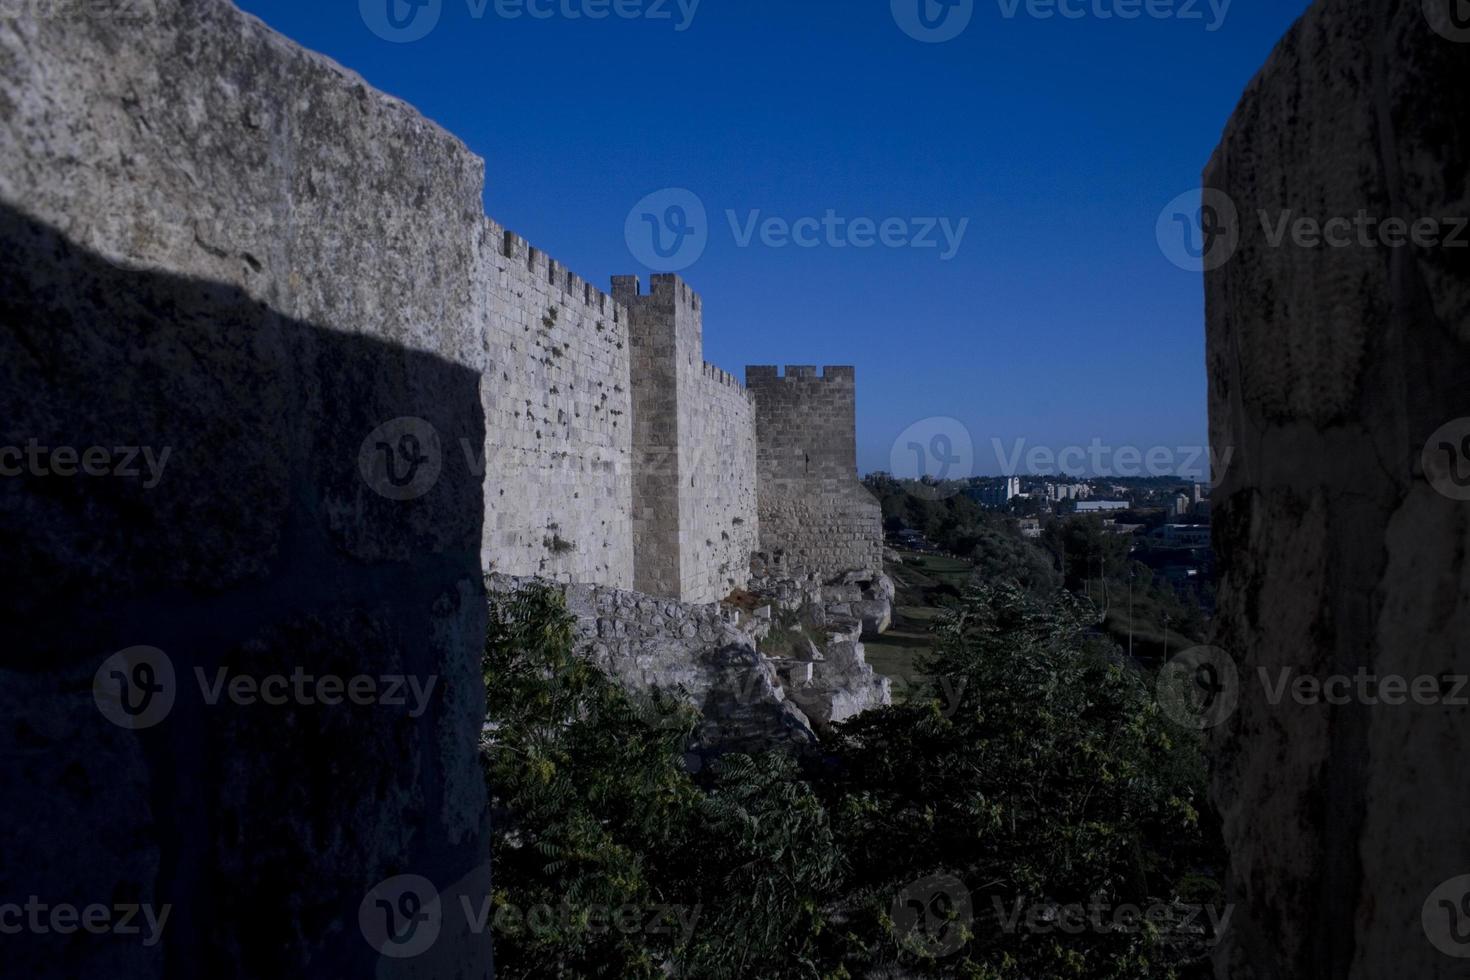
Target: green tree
[1053, 779]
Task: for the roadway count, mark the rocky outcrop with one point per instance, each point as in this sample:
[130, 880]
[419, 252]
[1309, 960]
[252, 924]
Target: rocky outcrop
[699, 653]
[1341, 524]
[768, 672]
[816, 639]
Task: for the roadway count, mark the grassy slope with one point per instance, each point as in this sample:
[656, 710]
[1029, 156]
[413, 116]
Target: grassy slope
[923, 582]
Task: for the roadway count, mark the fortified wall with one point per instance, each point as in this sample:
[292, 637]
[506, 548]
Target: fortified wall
[232, 254]
[694, 451]
[815, 516]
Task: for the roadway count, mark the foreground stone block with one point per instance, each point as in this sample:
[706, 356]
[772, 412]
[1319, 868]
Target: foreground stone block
[1331, 369]
[224, 254]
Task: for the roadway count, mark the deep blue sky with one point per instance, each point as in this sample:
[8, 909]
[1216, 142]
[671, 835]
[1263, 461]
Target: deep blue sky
[1059, 321]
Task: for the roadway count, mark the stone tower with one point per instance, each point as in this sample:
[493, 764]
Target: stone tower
[815, 515]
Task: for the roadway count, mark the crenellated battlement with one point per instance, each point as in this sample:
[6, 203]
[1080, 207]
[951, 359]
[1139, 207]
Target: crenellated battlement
[664, 288]
[539, 265]
[715, 373]
[758, 374]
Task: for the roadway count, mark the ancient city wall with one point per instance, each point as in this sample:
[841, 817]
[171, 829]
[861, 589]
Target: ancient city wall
[219, 246]
[815, 516]
[694, 514]
[718, 510]
[230, 253]
[1332, 372]
[558, 420]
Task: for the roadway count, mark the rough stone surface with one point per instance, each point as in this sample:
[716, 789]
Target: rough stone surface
[698, 652]
[694, 500]
[1329, 369]
[830, 681]
[221, 246]
[815, 515]
[556, 387]
[215, 243]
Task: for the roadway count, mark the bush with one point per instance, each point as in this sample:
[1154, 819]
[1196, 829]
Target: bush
[1054, 780]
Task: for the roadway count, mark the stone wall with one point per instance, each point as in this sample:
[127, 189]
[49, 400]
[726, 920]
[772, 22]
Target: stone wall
[558, 419]
[815, 516]
[230, 258]
[1332, 372]
[694, 506]
[718, 512]
[218, 246]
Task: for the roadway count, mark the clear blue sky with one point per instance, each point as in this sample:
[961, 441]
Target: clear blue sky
[1058, 321]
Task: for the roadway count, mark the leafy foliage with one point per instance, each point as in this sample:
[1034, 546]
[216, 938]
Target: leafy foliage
[1053, 780]
[595, 812]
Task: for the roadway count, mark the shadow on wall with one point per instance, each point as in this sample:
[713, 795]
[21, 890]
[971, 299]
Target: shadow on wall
[224, 519]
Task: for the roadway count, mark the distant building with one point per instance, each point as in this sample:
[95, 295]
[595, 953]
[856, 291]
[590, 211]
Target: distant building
[1101, 506]
[999, 496]
[1030, 527]
[1185, 535]
[1181, 505]
[1068, 491]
